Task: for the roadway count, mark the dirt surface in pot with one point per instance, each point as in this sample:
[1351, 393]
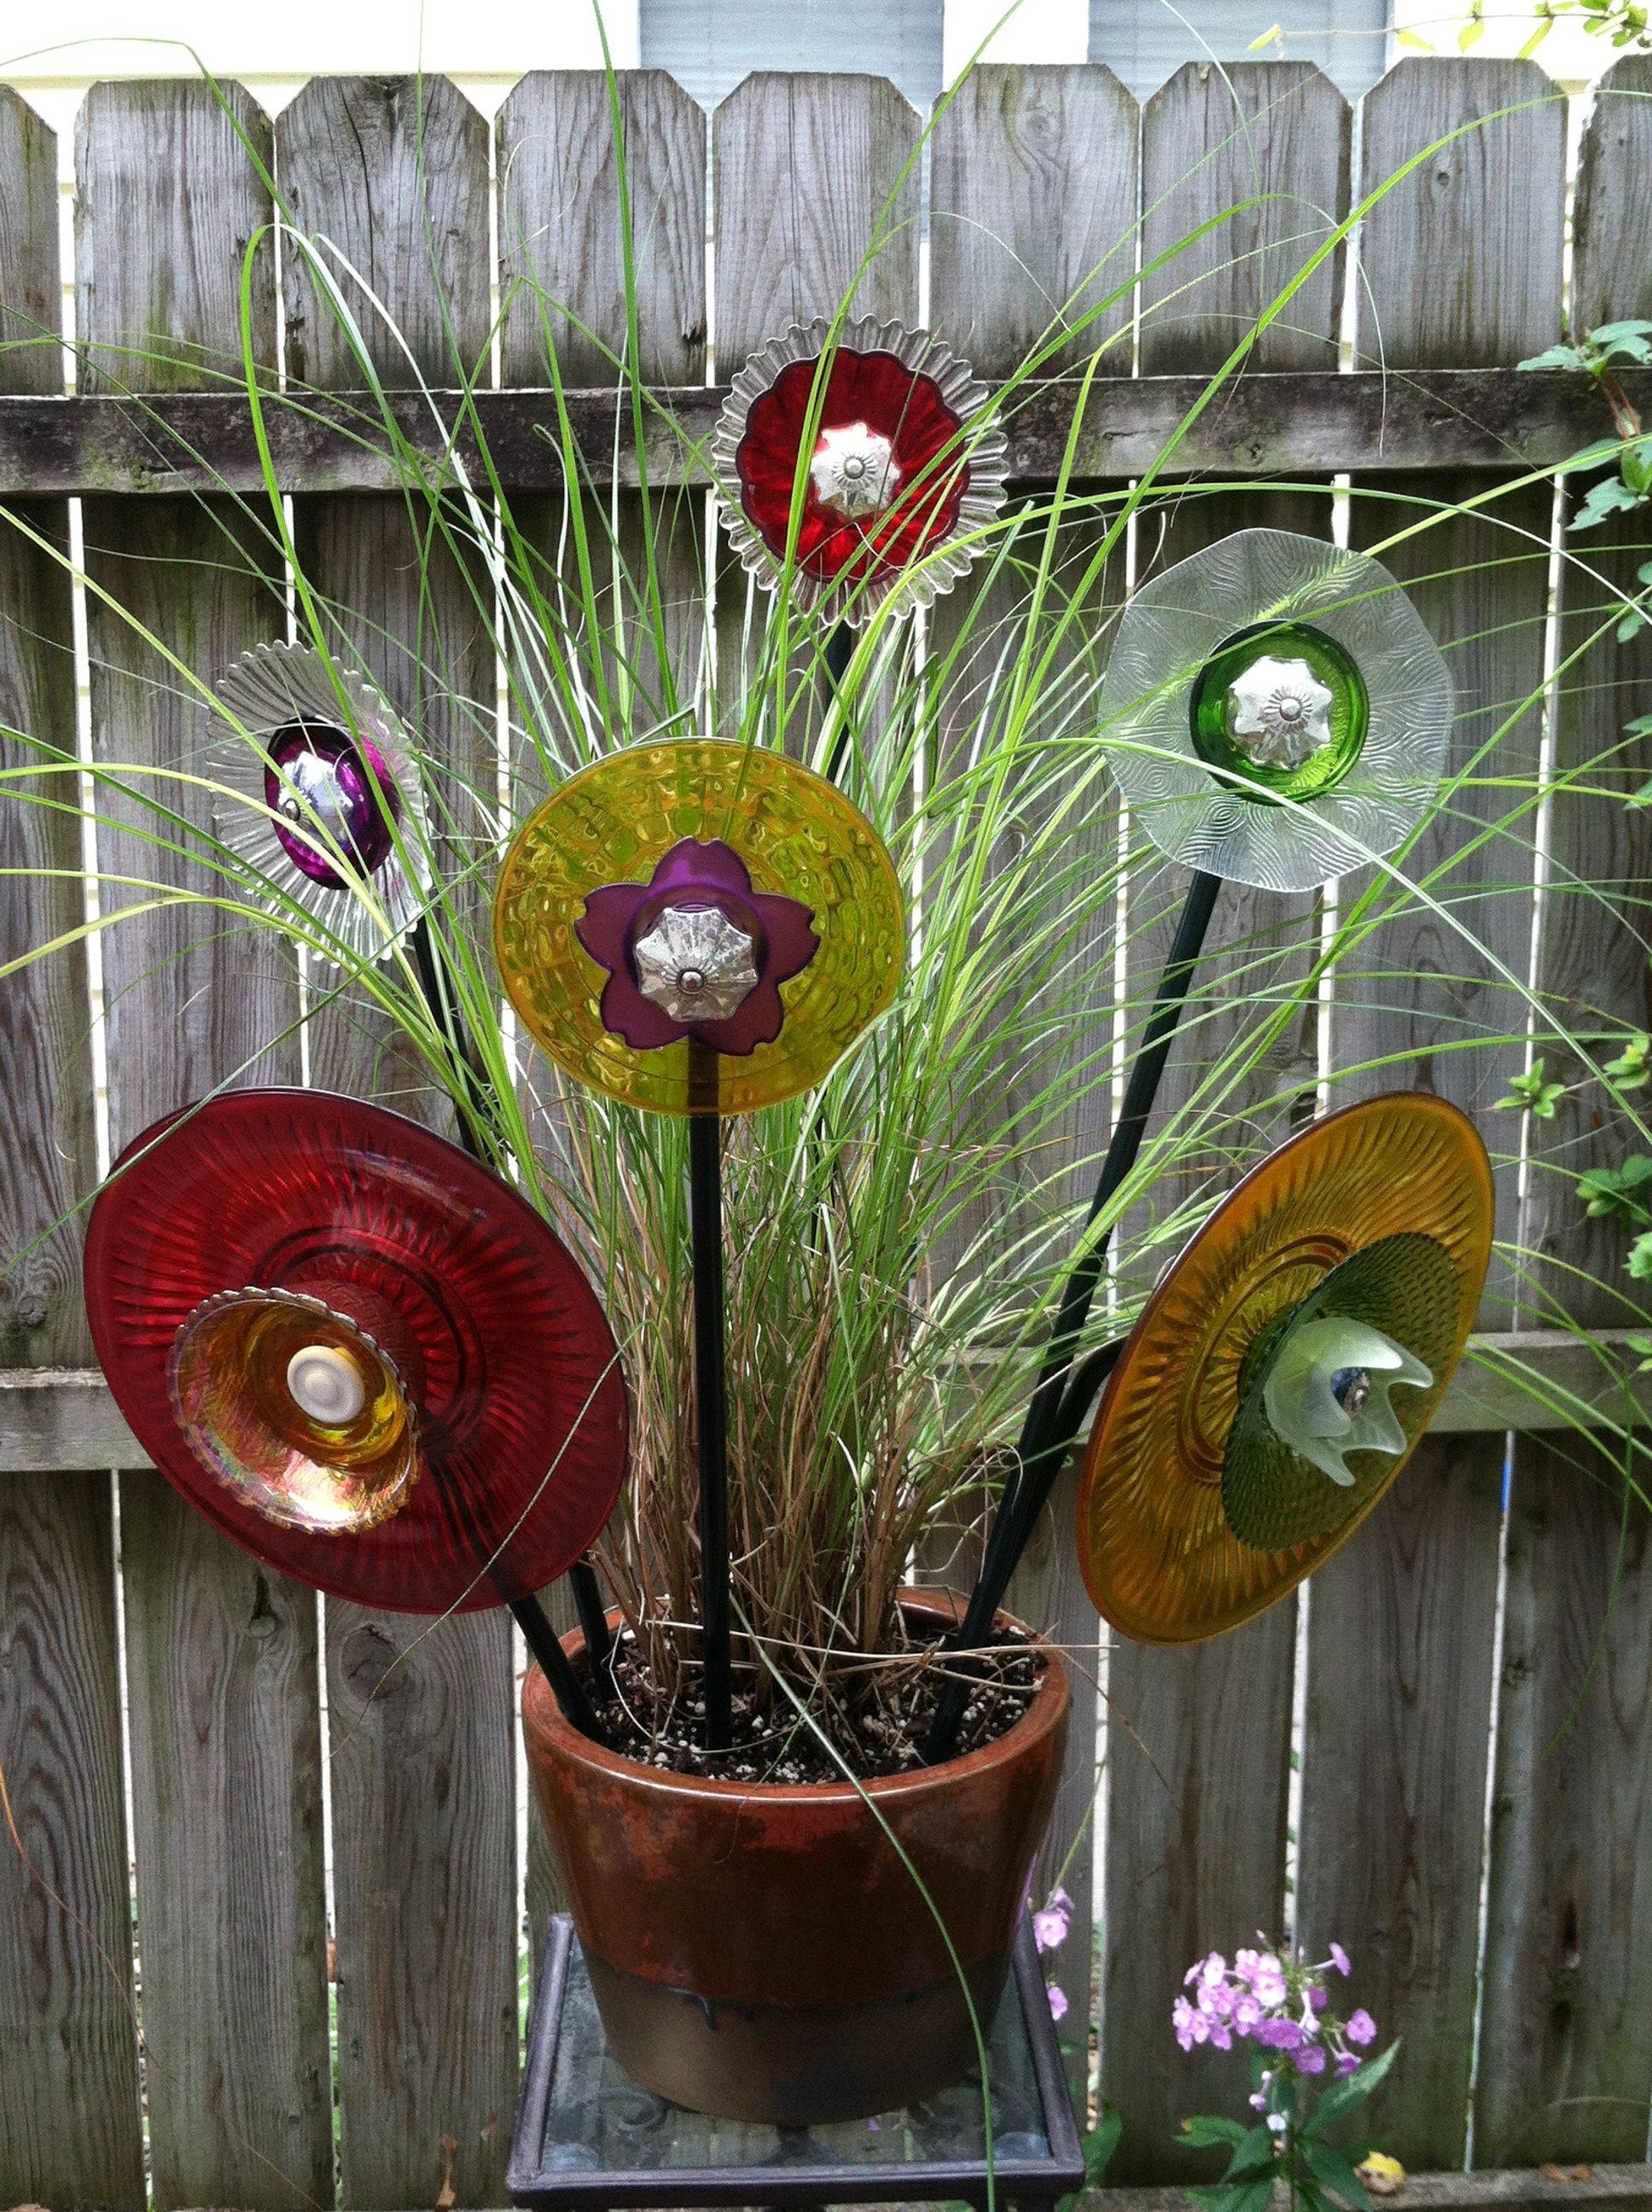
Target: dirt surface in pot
[880, 1737]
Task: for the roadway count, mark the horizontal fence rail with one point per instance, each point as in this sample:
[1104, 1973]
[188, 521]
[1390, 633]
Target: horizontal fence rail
[1531, 1379]
[1441, 1753]
[1279, 423]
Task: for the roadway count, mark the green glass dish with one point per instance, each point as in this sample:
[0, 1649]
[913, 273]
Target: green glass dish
[1344, 719]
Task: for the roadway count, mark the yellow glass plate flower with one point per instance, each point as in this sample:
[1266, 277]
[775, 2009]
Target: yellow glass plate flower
[1159, 1557]
[797, 837]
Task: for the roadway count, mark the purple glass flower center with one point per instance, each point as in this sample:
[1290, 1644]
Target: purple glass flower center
[322, 781]
[696, 935]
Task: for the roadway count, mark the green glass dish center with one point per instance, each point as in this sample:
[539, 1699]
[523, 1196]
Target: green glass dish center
[1283, 707]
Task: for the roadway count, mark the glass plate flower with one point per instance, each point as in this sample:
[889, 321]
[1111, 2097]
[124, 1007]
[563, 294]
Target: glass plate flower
[905, 466]
[698, 890]
[1194, 1512]
[322, 794]
[357, 1352]
[1276, 710]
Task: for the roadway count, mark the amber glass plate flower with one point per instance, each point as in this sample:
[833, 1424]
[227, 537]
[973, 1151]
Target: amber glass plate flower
[784, 851]
[1160, 1557]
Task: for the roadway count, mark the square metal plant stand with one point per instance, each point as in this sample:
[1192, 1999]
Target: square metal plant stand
[587, 2136]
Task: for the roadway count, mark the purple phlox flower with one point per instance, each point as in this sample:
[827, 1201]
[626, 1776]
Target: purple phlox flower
[1245, 1964]
[874, 2127]
[1191, 2026]
[1311, 2059]
[1257, 2100]
[1340, 1959]
[1246, 2012]
[1058, 1997]
[1277, 2123]
[1217, 1998]
[1279, 2034]
[696, 879]
[1212, 1969]
[1361, 2028]
[1267, 1980]
[1220, 2037]
[1050, 1928]
[1060, 1900]
[1317, 1998]
[1348, 2064]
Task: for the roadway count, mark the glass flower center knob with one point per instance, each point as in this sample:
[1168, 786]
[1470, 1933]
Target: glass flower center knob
[1283, 708]
[326, 1384]
[854, 472]
[1326, 1393]
[1279, 711]
[696, 964]
[320, 783]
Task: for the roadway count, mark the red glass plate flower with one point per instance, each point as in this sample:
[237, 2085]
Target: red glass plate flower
[903, 465]
[509, 1368]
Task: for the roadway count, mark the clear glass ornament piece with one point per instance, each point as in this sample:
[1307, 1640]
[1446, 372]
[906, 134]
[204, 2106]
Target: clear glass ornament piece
[1207, 780]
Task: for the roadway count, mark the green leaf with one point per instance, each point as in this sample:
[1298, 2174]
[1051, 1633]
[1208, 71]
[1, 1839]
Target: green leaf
[1619, 1193]
[1208, 2127]
[1644, 1346]
[1100, 2142]
[1344, 2096]
[1633, 339]
[1611, 495]
[1253, 2154]
[1639, 1262]
[1555, 357]
[1530, 1092]
[1632, 1068]
[1331, 2167]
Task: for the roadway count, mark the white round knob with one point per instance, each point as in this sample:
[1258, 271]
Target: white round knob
[325, 1385]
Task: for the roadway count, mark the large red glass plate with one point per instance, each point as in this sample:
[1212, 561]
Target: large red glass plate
[523, 1420]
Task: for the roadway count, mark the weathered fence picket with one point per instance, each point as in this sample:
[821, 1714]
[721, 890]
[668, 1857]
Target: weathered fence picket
[220, 1656]
[1462, 259]
[68, 2121]
[1564, 2069]
[1044, 188]
[393, 173]
[1034, 182]
[560, 244]
[1200, 1741]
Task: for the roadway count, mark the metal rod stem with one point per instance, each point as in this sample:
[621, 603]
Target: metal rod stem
[1048, 1430]
[546, 1646]
[711, 1390]
[840, 650]
[587, 1596]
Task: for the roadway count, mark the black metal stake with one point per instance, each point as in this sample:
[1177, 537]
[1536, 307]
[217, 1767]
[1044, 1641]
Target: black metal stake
[546, 1646]
[1047, 1433]
[840, 650]
[541, 1637]
[710, 1388]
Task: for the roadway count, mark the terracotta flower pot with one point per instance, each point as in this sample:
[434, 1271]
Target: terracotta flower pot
[761, 1951]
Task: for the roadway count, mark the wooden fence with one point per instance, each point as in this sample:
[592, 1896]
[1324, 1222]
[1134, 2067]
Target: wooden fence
[1475, 1784]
